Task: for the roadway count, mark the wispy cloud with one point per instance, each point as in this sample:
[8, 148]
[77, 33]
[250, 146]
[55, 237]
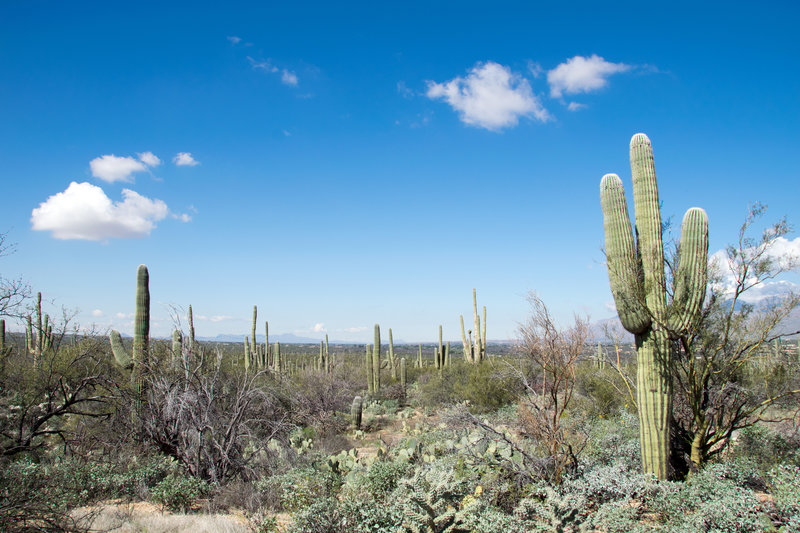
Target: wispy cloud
[491, 96]
[319, 327]
[83, 211]
[287, 76]
[582, 75]
[403, 90]
[215, 318]
[234, 40]
[185, 159]
[575, 106]
[97, 313]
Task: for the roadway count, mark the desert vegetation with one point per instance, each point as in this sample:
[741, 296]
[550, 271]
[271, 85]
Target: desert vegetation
[691, 424]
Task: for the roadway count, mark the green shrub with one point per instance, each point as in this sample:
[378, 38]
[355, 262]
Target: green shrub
[383, 476]
[321, 516]
[485, 387]
[300, 487]
[766, 447]
[784, 484]
[177, 493]
[708, 501]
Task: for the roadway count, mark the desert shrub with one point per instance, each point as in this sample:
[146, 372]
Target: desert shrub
[485, 387]
[784, 484]
[611, 482]
[481, 517]
[321, 516]
[369, 516]
[550, 508]
[766, 447]
[600, 388]
[29, 501]
[709, 500]
[383, 477]
[300, 487]
[614, 439]
[176, 492]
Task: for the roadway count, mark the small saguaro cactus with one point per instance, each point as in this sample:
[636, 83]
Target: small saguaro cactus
[403, 373]
[177, 344]
[356, 411]
[638, 283]
[392, 362]
[278, 364]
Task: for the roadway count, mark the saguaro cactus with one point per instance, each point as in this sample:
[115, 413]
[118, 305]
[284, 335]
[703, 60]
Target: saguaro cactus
[376, 360]
[177, 344]
[638, 283]
[141, 326]
[356, 412]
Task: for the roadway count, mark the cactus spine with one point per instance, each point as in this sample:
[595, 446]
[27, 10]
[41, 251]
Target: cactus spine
[638, 283]
[376, 360]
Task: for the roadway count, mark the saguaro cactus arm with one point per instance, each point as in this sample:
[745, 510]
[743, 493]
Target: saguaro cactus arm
[691, 276]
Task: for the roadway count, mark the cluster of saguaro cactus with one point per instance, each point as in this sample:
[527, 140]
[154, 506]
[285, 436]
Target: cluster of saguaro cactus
[638, 283]
[474, 348]
[324, 362]
[441, 357]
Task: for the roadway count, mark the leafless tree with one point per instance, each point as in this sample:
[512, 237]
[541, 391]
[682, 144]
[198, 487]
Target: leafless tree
[554, 354]
[213, 421]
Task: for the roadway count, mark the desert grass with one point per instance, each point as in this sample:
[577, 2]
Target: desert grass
[147, 518]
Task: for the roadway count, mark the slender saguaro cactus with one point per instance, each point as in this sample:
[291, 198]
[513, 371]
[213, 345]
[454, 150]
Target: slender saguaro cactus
[376, 360]
[419, 357]
[246, 353]
[638, 283]
[370, 372]
[177, 343]
[440, 351]
[467, 345]
[278, 364]
[392, 363]
[403, 374]
[191, 329]
[266, 344]
[478, 351]
[254, 346]
[356, 411]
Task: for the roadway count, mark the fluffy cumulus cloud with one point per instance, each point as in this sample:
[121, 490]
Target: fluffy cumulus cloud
[83, 211]
[582, 75]
[111, 168]
[149, 159]
[784, 252]
[318, 327]
[490, 96]
[185, 159]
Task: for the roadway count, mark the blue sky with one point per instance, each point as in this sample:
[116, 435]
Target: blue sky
[340, 166]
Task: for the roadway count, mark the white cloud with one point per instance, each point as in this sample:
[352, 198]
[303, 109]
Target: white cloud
[575, 106]
[582, 75]
[233, 39]
[185, 159]
[535, 69]
[97, 313]
[319, 327]
[216, 318]
[111, 168]
[403, 90]
[149, 159]
[356, 329]
[784, 252]
[83, 211]
[288, 78]
[491, 97]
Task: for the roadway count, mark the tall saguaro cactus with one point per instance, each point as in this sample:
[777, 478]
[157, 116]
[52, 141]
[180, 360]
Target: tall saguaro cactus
[638, 283]
[376, 360]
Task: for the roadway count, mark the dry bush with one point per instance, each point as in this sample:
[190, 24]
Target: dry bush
[552, 355]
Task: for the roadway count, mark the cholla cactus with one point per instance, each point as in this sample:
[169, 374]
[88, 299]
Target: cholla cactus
[638, 283]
